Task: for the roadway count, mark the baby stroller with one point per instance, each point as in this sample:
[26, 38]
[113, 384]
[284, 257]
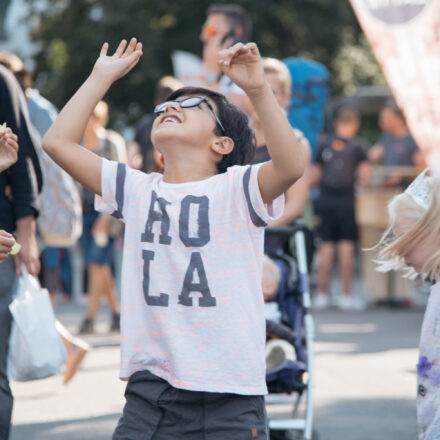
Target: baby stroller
[291, 381]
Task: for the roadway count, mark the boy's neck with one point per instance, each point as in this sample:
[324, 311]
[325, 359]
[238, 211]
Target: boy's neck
[188, 169]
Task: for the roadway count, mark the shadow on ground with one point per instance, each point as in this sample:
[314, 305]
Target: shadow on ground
[93, 428]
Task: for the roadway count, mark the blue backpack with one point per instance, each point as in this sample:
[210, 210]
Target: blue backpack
[310, 90]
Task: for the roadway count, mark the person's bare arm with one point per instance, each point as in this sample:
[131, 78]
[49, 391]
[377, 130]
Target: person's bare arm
[297, 194]
[376, 153]
[26, 237]
[62, 141]
[315, 174]
[243, 65]
[419, 161]
[364, 173]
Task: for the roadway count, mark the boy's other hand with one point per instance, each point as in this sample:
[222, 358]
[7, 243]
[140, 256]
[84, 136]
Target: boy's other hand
[111, 68]
[242, 64]
[8, 149]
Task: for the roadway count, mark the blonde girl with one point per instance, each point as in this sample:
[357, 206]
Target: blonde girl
[412, 242]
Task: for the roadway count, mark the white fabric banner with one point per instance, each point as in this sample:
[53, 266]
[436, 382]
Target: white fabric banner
[405, 38]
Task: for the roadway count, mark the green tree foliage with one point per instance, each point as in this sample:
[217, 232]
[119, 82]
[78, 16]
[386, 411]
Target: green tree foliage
[71, 33]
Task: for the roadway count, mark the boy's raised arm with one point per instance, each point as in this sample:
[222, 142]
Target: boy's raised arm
[62, 141]
[242, 64]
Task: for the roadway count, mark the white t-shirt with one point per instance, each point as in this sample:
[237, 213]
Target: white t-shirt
[428, 370]
[192, 309]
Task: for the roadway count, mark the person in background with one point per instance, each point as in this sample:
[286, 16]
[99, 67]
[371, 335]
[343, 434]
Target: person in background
[412, 243]
[8, 156]
[19, 188]
[341, 162]
[225, 25]
[141, 153]
[100, 230]
[42, 114]
[278, 77]
[56, 269]
[396, 146]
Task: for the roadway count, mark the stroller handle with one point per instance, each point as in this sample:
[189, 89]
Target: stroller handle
[286, 230]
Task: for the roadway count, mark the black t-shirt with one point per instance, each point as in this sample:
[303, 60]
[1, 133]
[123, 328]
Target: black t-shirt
[398, 151]
[339, 159]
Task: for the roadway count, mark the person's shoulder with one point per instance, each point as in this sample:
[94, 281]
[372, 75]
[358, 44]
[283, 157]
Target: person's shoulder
[40, 101]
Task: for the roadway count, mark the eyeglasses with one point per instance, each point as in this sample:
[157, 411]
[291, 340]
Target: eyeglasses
[192, 101]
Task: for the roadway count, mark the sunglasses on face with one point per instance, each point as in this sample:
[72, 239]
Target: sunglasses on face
[192, 101]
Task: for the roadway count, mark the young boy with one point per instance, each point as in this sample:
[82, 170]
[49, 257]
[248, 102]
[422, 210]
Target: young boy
[340, 162]
[192, 316]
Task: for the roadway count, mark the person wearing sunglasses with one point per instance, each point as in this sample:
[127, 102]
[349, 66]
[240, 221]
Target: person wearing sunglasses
[190, 102]
[225, 25]
[193, 247]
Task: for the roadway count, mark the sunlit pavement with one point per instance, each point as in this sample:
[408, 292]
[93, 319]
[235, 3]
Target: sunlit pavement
[365, 382]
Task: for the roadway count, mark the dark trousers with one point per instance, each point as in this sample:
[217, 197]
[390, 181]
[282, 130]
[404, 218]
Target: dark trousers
[155, 410]
[7, 277]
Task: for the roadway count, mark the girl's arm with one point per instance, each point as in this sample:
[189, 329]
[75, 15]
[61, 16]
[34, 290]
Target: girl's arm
[243, 65]
[62, 141]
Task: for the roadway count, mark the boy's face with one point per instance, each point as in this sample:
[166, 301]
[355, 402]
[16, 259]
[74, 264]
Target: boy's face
[184, 126]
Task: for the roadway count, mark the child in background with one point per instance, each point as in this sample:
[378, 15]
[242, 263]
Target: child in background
[412, 242]
[193, 248]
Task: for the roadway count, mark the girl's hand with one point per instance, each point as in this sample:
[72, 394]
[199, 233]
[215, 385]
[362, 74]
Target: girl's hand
[8, 149]
[242, 64]
[111, 68]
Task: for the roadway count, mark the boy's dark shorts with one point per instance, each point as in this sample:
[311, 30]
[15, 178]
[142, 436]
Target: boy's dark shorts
[155, 410]
[338, 224]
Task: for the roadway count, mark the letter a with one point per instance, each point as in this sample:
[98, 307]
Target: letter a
[196, 264]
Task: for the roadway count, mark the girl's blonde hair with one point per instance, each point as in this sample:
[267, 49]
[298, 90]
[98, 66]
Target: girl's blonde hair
[277, 67]
[425, 224]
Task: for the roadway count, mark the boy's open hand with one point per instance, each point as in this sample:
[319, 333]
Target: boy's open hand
[242, 64]
[113, 67]
[8, 149]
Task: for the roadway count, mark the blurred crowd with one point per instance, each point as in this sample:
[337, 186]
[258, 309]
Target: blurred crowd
[56, 223]
[341, 162]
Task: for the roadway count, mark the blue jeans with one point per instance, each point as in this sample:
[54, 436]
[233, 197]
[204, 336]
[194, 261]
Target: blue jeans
[91, 251]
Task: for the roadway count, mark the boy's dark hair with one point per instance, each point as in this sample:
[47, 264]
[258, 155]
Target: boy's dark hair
[235, 123]
[236, 16]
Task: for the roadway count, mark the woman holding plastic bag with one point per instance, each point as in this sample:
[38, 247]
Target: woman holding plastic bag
[8, 156]
[17, 214]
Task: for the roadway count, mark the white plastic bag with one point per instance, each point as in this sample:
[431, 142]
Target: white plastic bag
[35, 347]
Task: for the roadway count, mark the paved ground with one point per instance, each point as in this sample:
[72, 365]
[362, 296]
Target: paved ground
[365, 381]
